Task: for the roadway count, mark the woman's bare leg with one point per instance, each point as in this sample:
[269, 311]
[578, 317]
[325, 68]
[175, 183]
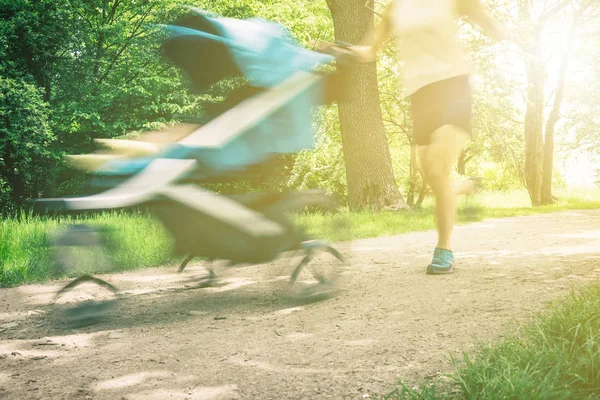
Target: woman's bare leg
[437, 160]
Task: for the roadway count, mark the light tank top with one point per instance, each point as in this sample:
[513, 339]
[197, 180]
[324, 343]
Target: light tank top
[427, 39]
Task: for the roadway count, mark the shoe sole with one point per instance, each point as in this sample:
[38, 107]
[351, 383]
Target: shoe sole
[435, 271]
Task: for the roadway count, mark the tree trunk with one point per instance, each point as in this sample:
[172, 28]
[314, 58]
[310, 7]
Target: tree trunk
[549, 159]
[463, 159]
[549, 137]
[422, 193]
[371, 182]
[534, 114]
[534, 121]
[547, 197]
[15, 180]
[414, 174]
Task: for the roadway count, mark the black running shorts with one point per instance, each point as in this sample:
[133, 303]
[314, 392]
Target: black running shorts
[447, 102]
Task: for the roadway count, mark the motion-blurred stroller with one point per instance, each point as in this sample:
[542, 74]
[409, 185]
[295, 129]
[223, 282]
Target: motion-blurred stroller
[267, 117]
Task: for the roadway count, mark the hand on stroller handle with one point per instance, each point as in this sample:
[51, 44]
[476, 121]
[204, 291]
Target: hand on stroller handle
[342, 52]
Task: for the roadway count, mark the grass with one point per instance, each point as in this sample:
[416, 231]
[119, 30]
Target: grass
[135, 240]
[132, 241]
[556, 357]
[346, 226]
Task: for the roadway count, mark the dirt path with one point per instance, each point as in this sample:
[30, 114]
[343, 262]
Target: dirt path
[241, 340]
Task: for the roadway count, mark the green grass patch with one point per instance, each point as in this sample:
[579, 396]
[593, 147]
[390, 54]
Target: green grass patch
[135, 240]
[348, 226]
[556, 357]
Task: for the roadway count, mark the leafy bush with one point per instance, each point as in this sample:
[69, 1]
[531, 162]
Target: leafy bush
[25, 143]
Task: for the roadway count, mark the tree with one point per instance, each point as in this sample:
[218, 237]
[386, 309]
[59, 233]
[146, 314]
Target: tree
[25, 140]
[369, 173]
[539, 149]
[32, 36]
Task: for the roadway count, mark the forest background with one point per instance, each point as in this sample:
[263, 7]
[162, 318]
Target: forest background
[72, 71]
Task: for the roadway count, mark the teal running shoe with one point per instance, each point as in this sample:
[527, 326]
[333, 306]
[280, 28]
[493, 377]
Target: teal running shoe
[442, 263]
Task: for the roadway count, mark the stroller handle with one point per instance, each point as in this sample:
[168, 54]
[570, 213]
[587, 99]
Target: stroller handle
[340, 51]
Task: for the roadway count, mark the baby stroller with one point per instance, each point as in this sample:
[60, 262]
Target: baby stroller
[267, 117]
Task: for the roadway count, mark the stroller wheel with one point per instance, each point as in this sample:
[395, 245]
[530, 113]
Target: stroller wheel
[316, 274]
[80, 250]
[90, 311]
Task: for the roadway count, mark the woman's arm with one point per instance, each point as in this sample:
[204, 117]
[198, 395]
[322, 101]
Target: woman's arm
[476, 13]
[376, 38]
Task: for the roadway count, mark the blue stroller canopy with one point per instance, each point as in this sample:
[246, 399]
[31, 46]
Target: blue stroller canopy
[275, 121]
[213, 48]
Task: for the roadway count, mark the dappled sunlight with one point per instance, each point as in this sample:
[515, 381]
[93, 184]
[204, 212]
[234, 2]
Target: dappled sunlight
[299, 336]
[84, 292]
[359, 248]
[381, 325]
[231, 284]
[38, 294]
[288, 311]
[51, 346]
[18, 349]
[360, 343]
[165, 278]
[565, 251]
[139, 292]
[11, 320]
[587, 234]
[488, 254]
[229, 392]
[132, 380]
[489, 224]
[266, 366]
[203, 158]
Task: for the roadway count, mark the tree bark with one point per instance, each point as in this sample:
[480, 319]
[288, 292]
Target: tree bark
[463, 159]
[554, 117]
[534, 120]
[422, 194]
[414, 173]
[534, 115]
[371, 181]
[552, 121]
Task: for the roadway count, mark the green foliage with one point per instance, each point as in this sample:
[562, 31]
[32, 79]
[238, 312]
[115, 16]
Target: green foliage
[32, 36]
[496, 177]
[323, 167]
[555, 357]
[25, 141]
[98, 67]
[114, 79]
[25, 255]
[482, 206]
[418, 393]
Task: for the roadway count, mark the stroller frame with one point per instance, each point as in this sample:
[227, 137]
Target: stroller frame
[245, 228]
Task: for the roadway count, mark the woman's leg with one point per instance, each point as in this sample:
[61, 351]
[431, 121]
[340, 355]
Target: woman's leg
[437, 160]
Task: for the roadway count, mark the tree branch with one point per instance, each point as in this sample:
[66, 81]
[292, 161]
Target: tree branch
[372, 9]
[136, 32]
[546, 15]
